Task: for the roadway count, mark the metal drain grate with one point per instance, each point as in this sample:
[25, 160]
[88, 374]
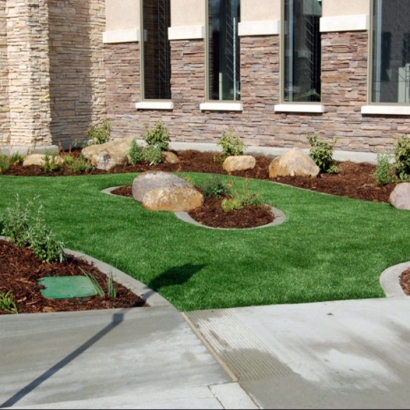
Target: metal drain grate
[236, 346]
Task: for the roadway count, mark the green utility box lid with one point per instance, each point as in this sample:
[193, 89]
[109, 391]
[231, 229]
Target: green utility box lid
[67, 287]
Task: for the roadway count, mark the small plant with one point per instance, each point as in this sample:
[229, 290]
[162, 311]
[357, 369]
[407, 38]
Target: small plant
[16, 159]
[241, 198]
[231, 145]
[214, 187]
[322, 153]
[50, 163]
[157, 137]
[99, 133]
[7, 303]
[77, 165]
[385, 170]
[4, 164]
[98, 289]
[111, 287]
[135, 153]
[402, 157]
[153, 155]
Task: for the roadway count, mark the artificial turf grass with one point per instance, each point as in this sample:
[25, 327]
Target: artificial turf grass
[329, 248]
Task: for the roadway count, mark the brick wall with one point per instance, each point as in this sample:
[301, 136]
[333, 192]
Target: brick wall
[4, 101]
[77, 72]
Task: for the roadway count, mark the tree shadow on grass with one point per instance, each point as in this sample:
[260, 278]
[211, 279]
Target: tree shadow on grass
[177, 275]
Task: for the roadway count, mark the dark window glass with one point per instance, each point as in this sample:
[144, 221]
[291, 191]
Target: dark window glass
[391, 51]
[302, 54]
[223, 50]
[156, 49]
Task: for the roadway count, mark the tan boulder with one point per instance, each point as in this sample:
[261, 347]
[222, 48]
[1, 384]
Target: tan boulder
[149, 181]
[38, 159]
[170, 157]
[108, 155]
[293, 163]
[400, 196]
[239, 163]
[172, 199]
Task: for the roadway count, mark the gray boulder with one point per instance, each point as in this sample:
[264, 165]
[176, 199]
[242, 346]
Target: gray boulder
[148, 181]
[293, 163]
[400, 196]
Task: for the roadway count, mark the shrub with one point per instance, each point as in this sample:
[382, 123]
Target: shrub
[214, 186]
[16, 159]
[4, 164]
[77, 165]
[322, 153]
[135, 153]
[50, 163]
[240, 198]
[385, 170]
[152, 154]
[231, 145]
[99, 133]
[158, 137]
[402, 157]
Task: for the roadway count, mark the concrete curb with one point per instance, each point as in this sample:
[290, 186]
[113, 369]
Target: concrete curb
[153, 298]
[390, 280]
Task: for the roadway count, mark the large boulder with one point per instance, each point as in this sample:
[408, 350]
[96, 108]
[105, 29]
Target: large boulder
[239, 163]
[149, 181]
[400, 196]
[293, 163]
[108, 155]
[172, 199]
[38, 159]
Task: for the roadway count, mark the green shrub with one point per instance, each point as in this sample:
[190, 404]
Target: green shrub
[99, 133]
[23, 229]
[16, 159]
[77, 165]
[322, 153]
[402, 157]
[4, 163]
[214, 187]
[50, 163]
[384, 173]
[231, 145]
[152, 154]
[135, 153]
[240, 198]
[158, 137]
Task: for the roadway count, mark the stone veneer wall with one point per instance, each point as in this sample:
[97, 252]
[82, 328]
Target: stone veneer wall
[77, 72]
[344, 90]
[4, 101]
[28, 72]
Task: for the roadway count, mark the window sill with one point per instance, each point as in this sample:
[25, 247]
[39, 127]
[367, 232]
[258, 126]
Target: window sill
[300, 108]
[121, 36]
[386, 109]
[221, 106]
[154, 105]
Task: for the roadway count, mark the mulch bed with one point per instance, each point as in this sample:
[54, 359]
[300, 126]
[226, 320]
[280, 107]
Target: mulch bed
[20, 271]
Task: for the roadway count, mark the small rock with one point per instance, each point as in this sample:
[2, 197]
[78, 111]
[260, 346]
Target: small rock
[239, 163]
[172, 199]
[400, 196]
[153, 180]
[293, 163]
[170, 157]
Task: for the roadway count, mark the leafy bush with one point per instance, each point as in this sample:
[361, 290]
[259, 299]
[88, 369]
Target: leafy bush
[385, 170]
[231, 145]
[214, 186]
[4, 163]
[50, 163]
[99, 133]
[402, 157]
[25, 230]
[158, 137]
[152, 154]
[135, 153]
[322, 153]
[77, 165]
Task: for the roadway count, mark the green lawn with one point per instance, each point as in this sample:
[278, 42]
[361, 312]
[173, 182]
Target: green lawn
[329, 248]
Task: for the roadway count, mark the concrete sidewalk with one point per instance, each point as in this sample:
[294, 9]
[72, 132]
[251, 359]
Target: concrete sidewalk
[343, 354]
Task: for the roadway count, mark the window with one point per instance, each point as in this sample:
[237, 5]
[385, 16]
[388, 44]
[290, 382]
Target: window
[155, 49]
[301, 50]
[223, 50]
[390, 69]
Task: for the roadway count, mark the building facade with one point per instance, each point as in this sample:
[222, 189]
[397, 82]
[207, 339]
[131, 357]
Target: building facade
[273, 71]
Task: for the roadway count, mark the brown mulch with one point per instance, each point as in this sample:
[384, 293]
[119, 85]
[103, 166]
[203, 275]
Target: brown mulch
[20, 271]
